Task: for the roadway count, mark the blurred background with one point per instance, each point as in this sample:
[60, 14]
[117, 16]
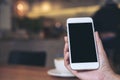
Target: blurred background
[40, 26]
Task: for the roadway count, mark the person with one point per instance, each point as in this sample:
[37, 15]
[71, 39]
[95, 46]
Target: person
[107, 22]
[104, 72]
[107, 18]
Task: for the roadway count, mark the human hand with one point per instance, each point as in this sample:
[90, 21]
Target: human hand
[104, 72]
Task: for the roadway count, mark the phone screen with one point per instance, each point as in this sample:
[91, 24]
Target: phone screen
[82, 43]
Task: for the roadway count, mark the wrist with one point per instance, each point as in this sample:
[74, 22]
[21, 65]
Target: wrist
[116, 77]
[112, 76]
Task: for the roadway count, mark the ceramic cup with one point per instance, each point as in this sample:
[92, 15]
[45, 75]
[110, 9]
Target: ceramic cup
[59, 65]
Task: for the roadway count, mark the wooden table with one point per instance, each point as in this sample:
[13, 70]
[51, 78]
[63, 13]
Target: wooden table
[12, 72]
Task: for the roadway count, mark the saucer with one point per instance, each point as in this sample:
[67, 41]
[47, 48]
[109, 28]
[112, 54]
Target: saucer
[54, 72]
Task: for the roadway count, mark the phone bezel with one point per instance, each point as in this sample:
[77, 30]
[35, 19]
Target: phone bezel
[88, 65]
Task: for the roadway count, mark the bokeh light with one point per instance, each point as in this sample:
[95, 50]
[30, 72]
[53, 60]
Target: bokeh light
[21, 8]
[46, 6]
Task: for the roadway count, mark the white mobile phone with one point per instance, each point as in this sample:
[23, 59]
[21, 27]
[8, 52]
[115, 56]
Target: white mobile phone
[82, 45]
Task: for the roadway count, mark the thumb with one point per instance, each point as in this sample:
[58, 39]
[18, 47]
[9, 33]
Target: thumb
[101, 52]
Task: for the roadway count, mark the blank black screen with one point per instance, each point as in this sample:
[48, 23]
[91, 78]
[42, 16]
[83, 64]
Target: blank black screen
[82, 42]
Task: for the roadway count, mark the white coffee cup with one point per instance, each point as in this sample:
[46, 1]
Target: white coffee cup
[59, 65]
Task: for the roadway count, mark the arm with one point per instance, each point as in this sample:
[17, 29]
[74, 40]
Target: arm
[104, 72]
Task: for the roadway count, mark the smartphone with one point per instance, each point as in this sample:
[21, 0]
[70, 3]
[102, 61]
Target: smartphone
[83, 52]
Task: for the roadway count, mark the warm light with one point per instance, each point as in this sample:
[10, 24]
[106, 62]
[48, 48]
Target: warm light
[22, 8]
[46, 6]
[37, 11]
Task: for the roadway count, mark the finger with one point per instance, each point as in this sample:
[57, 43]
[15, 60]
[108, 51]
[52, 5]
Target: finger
[66, 49]
[66, 44]
[66, 59]
[99, 42]
[66, 39]
[67, 63]
[102, 55]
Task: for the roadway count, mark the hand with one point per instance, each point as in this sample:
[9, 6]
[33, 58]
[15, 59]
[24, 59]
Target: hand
[104, 72]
